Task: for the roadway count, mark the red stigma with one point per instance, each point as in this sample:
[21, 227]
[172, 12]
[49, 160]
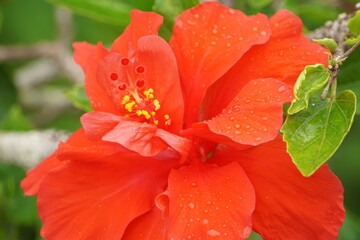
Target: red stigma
[125, 61]
[122, 86]
[140, 69]
[113, 76]
[140, 83]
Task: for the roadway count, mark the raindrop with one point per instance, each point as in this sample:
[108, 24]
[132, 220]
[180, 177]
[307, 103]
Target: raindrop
[265, 118]
[237, 132]
[213, 233]
[191, 205]
[237, 125]
[193, 184]
[258, 139]
[196, 16]
[263, 33]
[232, 11]
[255, 29]
[205, 221]
[281, 89]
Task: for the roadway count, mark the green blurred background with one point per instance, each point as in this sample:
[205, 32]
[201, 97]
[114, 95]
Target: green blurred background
[25, 23]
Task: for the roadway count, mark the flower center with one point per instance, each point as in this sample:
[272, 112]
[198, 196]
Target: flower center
[136, 101]
[144, 104]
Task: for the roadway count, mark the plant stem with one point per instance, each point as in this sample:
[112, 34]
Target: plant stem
[335, 71]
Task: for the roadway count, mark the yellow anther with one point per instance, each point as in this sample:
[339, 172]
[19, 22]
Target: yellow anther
[151, 96]
[129, 106]
[166, 117]
[156, 104]
[153, 113]
[168, 122]
[156, 122]
[126, 99]
[151, 90]
[146, 93]
[146, 114]
[139, 112]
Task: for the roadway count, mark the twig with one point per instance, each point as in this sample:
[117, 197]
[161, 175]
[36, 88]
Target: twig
[335, 69]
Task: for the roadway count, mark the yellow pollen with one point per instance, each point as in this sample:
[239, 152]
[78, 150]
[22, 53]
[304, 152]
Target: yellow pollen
[151, 95]
[153, 113]
[126, 99]
[127, 115]
[146, 114]
[166, 116]
[139, 112]
[129, 106]
[156, 104]
[151, 90]
[156, 122]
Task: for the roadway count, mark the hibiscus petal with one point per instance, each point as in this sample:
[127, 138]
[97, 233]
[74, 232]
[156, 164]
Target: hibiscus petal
[138, 137]
[88, 57]
[288, 205]
[207, 41]
[142, 24]
[159, 73]
[34, 177]
[149, 226]
[253, 117]
[283, 57]
[207, 201]
[97, 200]
[97, 124]
[163, 76]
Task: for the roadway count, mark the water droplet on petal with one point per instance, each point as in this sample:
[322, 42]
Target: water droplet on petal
[196, 16]
[213, 233]
[258, 139]
[237, 125]
[191, 205]
[193, 184]
[281, 89]
[265, 118]
[232, 11]
[205, 221]
[237, 132]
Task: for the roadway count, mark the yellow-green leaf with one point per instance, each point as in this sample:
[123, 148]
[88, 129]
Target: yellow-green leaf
[314, 134]
[313, 78]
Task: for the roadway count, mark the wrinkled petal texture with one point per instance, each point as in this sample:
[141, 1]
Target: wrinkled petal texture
[207, 41]
[138, 137]
[97, 200]
[209, 202]
[160, 73]
[288, 205]
[145, 139]
[149, 226]
[142, 24]
[88, 57]
[254, 116]
[283, 57]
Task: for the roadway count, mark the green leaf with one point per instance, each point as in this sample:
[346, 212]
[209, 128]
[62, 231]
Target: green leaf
[328, 43]
[170, 9]
[257, 4]
[352, 40]
[78, 97]
[110, 11]
[314, 134]
[354, 24]
[311, 79]
[16, 120]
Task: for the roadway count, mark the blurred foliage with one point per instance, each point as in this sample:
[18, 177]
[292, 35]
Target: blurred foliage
[31, 21]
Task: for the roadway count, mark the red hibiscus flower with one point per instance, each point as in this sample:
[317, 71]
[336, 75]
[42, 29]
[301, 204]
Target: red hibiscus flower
[183, 142]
